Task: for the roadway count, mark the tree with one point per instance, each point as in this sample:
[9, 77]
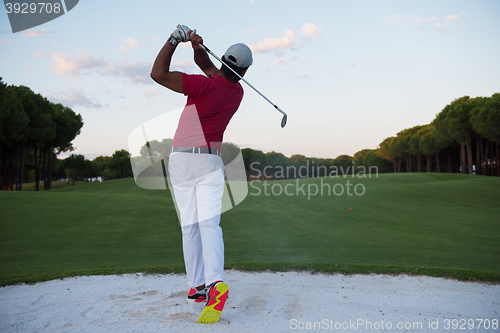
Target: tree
[402, 146]
[76, 164]
[344, 163]
[13, 118]
[255, 161]
[414, 145]
[386, 150]
[42, 130]
[58, 171]
[400, 149]
[120, 161]
[101, 163]
[107, 174]
[27, 98]
[485, 120]
[13, 124]
[411, 147]
[428, 144]
[319, 167]
[67, 125]
[279, 163]
[229, 152]
[298, 161]
[32, 126]
[155, 151]
[366, 159]
[454, 121]
[297, 158]
[41, 127]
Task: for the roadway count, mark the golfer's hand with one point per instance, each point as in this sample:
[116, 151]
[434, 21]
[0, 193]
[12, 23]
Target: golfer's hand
[181, 33]
[196, 40]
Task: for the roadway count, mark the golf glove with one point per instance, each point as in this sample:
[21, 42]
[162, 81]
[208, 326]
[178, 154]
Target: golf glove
[181, 33]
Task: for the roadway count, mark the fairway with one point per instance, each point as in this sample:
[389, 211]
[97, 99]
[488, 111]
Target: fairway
[434, 224]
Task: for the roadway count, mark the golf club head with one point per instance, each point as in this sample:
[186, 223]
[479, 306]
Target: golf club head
[283, 121]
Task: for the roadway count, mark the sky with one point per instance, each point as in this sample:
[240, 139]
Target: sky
[348, 73]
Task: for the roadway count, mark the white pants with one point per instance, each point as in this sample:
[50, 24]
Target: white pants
[198, 184]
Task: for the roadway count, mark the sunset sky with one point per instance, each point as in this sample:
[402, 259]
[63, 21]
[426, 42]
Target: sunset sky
[348, 73]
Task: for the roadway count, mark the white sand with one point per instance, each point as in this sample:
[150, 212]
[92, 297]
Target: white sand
[258, 302]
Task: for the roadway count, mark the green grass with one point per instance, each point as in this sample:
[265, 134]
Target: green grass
[433, 224]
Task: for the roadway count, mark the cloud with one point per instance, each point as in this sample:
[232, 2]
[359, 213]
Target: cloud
[152, 93]
[130, 43]
[395, 17]
[310, 30]
[416, 23]
[274, 43]
[43, 52]
[251, 30]
[182, 63]
[350, 65]
[6, 41]
[30, 33]
[250, 2]
[452, 17]
[279, 61]
[136, 72]
[66, 66]
[184, 45]
[440, 27]
[420, 24]
[73, 98]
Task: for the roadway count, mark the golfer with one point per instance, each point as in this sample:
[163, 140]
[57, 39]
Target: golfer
[195, 166]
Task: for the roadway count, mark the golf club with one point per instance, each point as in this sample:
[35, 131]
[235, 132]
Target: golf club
[283, 121]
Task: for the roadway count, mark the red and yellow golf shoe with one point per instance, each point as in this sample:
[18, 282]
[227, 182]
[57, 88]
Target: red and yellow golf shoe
[217, 296]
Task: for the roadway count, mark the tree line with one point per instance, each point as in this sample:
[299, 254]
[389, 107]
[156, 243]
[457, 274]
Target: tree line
[77, 167]
[275, 165]
[272, 165]
[464, 137]
[33, 131]
[154, 157]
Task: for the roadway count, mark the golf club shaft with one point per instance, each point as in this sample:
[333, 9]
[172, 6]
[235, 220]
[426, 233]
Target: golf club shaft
[267, 99]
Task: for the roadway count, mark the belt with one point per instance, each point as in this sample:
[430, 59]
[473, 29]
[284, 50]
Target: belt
[195, 150]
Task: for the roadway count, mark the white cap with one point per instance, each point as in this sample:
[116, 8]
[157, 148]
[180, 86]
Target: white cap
[239, 55]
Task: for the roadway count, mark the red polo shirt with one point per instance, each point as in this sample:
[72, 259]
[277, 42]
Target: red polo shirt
[211, 103]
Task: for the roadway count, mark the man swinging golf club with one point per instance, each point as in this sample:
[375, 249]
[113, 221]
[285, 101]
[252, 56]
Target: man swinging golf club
[195, 166]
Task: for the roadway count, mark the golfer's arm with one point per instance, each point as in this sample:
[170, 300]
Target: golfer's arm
[203, 61]
[161, 73]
